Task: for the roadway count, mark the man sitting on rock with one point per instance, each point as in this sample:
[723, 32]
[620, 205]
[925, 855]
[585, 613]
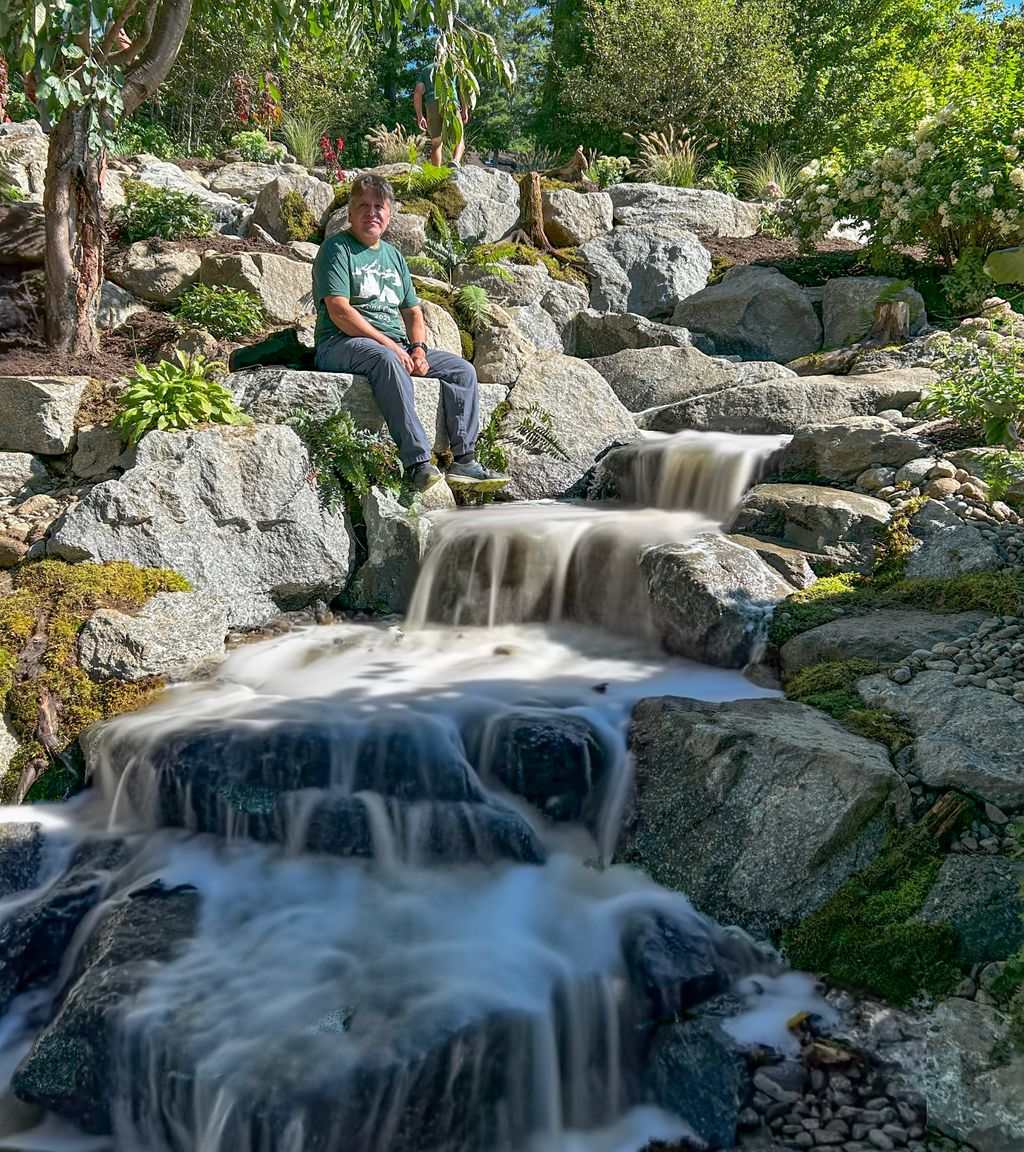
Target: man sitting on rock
[368, 321]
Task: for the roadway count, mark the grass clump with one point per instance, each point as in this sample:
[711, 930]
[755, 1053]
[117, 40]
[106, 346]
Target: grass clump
[999, 593]
[864, 934]
[831, 686]
[49, 698]
[298, 221]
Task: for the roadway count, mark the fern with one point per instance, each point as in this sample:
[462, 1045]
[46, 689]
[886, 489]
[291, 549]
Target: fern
[347, 461]
[530, 428]
[472, 307]
[446, 250]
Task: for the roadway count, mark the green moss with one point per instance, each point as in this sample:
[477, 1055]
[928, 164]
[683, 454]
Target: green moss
[895, 543]
[298, 221]
[419, 206]
[997, 592]
[864, 934]
[719, 266]
[830, 677]
[449, 199]
[341, 194]
[53, 600]
[467, 344]
[550, 185]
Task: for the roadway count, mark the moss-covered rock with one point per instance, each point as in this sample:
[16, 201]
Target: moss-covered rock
[297, 221]
[49, 698]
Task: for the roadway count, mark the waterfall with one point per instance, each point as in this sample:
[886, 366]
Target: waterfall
[353, 894]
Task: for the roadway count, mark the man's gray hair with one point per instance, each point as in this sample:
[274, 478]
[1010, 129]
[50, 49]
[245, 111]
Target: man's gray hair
[368, 182]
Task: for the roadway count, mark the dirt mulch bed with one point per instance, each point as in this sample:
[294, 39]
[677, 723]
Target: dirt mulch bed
[140, 338]
[767, 249]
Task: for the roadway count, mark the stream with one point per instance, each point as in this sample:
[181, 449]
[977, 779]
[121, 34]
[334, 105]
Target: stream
[355, 892]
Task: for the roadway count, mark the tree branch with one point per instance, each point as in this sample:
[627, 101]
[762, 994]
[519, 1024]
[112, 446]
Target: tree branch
[126, 56]
[115, 30]
[160, 53]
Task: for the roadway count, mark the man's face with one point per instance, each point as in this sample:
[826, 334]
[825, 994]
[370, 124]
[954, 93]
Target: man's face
[368, 216]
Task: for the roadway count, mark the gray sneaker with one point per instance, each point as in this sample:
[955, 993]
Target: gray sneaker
[422, 476]
[474, 476]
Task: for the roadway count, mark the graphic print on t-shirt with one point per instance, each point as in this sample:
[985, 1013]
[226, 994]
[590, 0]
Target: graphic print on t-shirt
[376, 284]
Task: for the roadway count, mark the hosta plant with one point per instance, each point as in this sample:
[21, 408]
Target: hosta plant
[177, 395]
[226, 313]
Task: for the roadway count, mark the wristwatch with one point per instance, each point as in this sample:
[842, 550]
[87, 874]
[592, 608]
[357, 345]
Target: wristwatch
[417, 344]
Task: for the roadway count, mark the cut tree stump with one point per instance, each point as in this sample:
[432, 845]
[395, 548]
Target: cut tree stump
[892, 324]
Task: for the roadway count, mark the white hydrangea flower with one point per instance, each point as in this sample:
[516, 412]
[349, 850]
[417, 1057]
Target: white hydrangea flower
[925, 151]
[954, 195]
[1017, 135]
[1017, 177]
[925, 127]
[1011, 152]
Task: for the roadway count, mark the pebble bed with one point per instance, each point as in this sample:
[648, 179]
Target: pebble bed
[991, 658]
[833, 1099]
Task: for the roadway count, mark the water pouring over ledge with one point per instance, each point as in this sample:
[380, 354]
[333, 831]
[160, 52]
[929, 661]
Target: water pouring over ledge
[298, 967]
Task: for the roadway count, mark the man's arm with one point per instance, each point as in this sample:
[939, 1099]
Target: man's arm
[416, 330]
[352, 323]
[417, 103]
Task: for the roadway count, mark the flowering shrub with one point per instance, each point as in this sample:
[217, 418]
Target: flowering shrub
[957, 184]
[331, 153]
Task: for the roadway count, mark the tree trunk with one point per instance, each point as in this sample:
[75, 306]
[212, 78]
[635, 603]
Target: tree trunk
[530, 226]
[74, 236]
[892, 324]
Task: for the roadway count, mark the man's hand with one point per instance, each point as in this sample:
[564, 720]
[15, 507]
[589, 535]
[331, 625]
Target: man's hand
[405, 359]
[464, 114]
[420, 367]
[422, 122]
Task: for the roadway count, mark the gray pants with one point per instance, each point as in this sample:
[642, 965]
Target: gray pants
[393, 390]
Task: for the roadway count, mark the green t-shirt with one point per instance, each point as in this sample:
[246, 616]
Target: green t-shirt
[426, 77]
[375, 281]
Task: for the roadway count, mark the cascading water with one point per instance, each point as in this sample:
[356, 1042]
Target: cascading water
[352, 895]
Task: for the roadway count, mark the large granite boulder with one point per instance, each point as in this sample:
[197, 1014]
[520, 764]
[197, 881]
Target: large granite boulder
[700, 210]
[651, 377]
[269, 394]
[849, 303]
[22, 235]
[539, 328]
[501, 349]
[174, 634]
[586, 414]
[982, 898]
[163, 174]
[317, 195]
[972, 1076]
[116, 306]
[889, 636]
[753, 312]
[515, 285]
[492, 203]
[642, 270]
[783, 405]
[823, 520]
[563, 301]
[406, 230]
[396, 541]
[442, 331]
[153, 271]
[947, 546]
[844, 449]
[244, 180]
[711, 598]
[232, 509]
[572, 218]
[39, 413]
[702, 823]
[966, 738]
[24, 148]
[18, 470]
[283, 286]
[605, 333]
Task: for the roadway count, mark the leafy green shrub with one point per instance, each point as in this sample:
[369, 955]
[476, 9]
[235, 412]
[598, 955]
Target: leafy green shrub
[348, 461]
[607, 170]
[720, 177]
[955, 184]
[665, 158]
[395, 145]
[171, 396]
[865, 934]
[302, 134]
[226, 313]
[159, 213]
[256, 148]
[982, 387]
[423, 180]
[298, 221]
[1003, 471]
[135, 136]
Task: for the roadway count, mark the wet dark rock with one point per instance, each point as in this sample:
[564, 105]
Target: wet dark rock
[70, 1068]
[33, 939]
[20, 845]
